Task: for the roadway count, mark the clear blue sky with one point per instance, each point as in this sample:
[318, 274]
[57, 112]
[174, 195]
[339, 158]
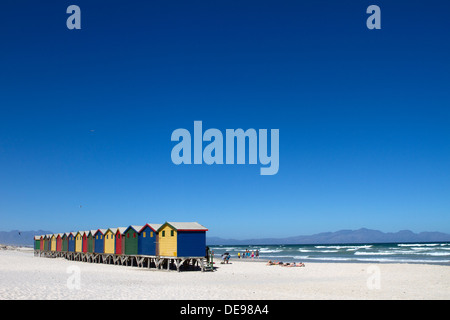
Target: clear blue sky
[86, 115]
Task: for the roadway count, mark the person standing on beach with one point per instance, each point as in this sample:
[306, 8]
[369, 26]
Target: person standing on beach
[257, 254]
[253, 254]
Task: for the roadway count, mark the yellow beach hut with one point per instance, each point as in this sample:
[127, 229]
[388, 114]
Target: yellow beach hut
[109, 238]
[53, 242]
[79, 242]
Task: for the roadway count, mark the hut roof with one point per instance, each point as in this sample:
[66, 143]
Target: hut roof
[102, 231]
[153, 226]
[185, 226]
[113, 230]
[121, 229]
[135, 228]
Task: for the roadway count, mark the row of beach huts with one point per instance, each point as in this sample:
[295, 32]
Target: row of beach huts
[160, 244]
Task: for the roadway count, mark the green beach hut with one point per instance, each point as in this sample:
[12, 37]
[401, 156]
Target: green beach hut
[65, 242]
[131, 240]
[90, 240]
[37, 242]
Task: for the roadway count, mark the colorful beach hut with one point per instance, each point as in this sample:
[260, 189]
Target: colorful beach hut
[148, 239]
[120, 240]
[65, 242]
[59, 242]
[84, 241]
[131, 239]
[182, 239]
[49, 242]
[53, 242]
[46, 242]
[90, 241]
[110, 244]
[78, 242]
[45, 238]
[37, 242]
[41, 243]
[99, 243]
[71, 242]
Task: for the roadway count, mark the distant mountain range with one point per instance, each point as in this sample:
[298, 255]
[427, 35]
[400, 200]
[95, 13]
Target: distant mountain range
[362, 235]
[20, 238]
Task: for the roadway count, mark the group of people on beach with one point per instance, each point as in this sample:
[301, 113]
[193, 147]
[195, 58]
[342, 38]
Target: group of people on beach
[249, 254]
[287, 264]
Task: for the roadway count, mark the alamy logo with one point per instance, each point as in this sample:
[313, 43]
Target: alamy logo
[213, 153]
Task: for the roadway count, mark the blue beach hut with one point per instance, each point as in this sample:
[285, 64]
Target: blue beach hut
[99, 241]
[148, 239]
[71, 239]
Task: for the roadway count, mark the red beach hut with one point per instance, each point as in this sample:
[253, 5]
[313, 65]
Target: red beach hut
[59, 242]
[85, 241]
[119, 240]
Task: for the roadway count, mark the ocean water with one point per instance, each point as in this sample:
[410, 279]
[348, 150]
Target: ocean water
[429, 253]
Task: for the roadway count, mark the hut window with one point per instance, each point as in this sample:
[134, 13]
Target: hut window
[128, 235]
[143, 234]
[106, 236]
[164, 233]
[171, 233]
[101, 237]
[151, 234]
[96, 237]
[134, 234]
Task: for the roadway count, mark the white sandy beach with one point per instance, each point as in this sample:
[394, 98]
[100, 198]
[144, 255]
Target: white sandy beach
[23, 276]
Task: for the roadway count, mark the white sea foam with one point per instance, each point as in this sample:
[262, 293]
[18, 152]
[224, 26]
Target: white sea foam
[436, 254]
[349, 247]
[270, 251]
[400, 252]
[378, 253]
[324, 258]
[418, 244]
